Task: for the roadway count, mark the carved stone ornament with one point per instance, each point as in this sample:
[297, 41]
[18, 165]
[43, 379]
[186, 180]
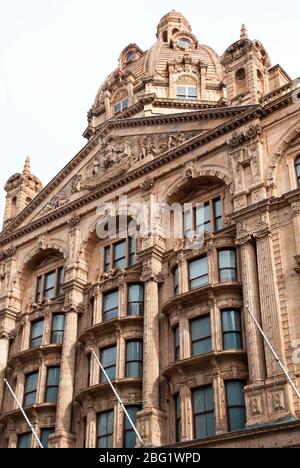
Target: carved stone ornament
[247, 136]
[74, 220]
[10, 252]
[147, 185]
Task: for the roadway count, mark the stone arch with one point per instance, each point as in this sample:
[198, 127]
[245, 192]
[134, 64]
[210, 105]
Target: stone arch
[192, 172]
[284, 146]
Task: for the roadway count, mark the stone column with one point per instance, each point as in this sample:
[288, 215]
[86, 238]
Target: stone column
[186, 414]
[269, 299]
[4, 350]
[67, 375]
[91, 429]
[254, 340]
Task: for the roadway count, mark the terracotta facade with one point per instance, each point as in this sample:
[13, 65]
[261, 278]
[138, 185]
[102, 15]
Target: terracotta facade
[174, 124]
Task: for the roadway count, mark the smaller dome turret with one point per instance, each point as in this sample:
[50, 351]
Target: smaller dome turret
[21, 189]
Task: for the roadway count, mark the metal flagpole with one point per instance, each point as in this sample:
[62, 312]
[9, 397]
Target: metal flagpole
[24, 414]
[119, 399]
[275, 354]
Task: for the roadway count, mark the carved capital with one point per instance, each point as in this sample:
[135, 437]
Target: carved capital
[74, 220]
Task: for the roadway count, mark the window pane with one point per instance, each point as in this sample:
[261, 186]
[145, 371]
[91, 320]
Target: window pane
[237, 419]
[24, 441]
[111, 305]
[235, 393]
[176, 281]
[30, 399]
[231, 320]
[198, 273]
[192, 91]
[53, 376]
[204, 412]
[227, 259]
[39, 289]
[232, 341]
[58, 323]
[132, 251]
[203, 218]
[181, 91]
[31, 382]
[132, 411]
[135, 351]
[45, 433]
[129, 434]
[177, 342]
[105, 429]
[218, 214]
[37, 330]
[120, 255]
[60, 280]
[187, 224]
[50, 280]
[108, 361]
[136, 293]
[107, 259]
[201, 328]
[51, 395]
[202, 347]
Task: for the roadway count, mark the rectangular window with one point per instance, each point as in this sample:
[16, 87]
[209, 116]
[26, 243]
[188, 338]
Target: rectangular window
[178, 417]
[232, 329]
[135, 300]
[204, 412]
[108, 359]
[201, 336]
[110, 306]
[176, 281]
[52, 385]
[45, 434]
[50, 292]
[187, 92]
[132, 251]
[36, 335]
[129, 434]
[120, 106]
[297, 166]
[58, 327]
[198, 271]
[60, 280]
[134, 359]
[227, 266]
[31, 383]
[218, 214]
[120, 254]
[203, 218]
[105, 430]
[107, 259]
[39, 286]
[24, 441]
[177, 342]
[236, 410]
[188, 224]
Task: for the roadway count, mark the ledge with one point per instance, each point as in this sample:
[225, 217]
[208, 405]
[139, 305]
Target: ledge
[191, 296]
[32, 352]
[110, 325]
[32, 410]
[205, 360]
[103, 389]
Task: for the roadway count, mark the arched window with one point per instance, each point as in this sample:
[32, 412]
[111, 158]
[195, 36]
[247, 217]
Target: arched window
[261, 83]
[13, 207]
[165, 36]
[240, 80]
[297, 166]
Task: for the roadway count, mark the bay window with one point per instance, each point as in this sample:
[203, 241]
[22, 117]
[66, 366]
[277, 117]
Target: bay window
[201, 336]
[198, 273]
[227, 266]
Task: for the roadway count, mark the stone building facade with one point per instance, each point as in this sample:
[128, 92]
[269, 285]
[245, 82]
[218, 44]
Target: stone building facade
[166, 315]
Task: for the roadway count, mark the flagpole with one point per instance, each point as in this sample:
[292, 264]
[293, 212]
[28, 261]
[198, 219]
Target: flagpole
[24, 414]
[275, 354]
[119, 399]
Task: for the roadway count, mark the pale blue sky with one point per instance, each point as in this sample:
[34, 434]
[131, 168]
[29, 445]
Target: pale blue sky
[54, 55]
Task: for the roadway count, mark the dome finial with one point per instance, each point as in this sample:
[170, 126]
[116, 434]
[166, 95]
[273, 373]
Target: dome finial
[26, 170]
[244, 33]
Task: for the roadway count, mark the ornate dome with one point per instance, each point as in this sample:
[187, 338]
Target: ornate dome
[176, 55]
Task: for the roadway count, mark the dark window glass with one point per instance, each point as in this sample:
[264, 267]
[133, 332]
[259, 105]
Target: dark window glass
[204, 413]
[177, 342]
[45, 434]
[129, 434]
[134, 359]
[105, 430]
[107, 259]
[236, 410]
[31, 383]
[60, 275]
[178, 417]
[39, 285]
[198, 273]
[176, 281]
[36, 336]
[201, 336]
[24, 441]
[111, 306]
[203, 218]
[218, 215]
[120, 255]
[120, 106]
[297, 164]
[227, 266]
[132, 251]
[50, 292]
[108, 359]
[136, 300]
[58, 327]
[52, 385]
[232, 329]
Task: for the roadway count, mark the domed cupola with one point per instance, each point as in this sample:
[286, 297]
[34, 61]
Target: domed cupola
[172, 23]
[21, 189]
